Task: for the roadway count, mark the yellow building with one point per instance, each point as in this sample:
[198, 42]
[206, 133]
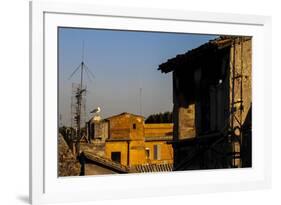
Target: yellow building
[131, 142]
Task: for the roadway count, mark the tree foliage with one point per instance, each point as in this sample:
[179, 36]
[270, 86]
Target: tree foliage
[166, 117]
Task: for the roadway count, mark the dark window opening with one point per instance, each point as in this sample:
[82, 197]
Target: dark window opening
[147, 153]
[134, 126]
[116, 156]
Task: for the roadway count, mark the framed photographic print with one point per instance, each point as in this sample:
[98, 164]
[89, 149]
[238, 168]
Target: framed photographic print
[130, 102]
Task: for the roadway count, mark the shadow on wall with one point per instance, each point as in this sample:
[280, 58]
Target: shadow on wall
[23, 198]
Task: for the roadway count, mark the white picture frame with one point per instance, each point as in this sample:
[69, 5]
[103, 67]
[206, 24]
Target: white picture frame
[46, 187]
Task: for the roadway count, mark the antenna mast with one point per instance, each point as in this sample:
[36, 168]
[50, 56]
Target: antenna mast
[140, 101]
[78, 100]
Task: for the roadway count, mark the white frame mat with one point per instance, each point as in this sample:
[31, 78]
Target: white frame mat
[46, 187]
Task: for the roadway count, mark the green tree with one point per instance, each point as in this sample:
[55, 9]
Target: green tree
[166, 117]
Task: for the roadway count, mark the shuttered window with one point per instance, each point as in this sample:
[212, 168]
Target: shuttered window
[157, 152]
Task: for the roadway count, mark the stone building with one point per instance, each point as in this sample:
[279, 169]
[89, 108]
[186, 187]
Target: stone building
[212, 104]
[131, 142]
[97, 130]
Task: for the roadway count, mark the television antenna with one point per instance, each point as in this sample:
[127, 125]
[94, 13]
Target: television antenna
[79, 95]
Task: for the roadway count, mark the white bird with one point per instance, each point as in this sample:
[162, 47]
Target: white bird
[97, 110]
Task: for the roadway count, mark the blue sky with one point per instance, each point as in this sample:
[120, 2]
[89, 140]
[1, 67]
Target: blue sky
[122, 62]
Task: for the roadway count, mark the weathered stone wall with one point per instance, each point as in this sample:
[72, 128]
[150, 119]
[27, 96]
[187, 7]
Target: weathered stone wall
[100, 130]
[241, 60]
[203, 94]
[240, 92]
[186, 122]
[68, 165]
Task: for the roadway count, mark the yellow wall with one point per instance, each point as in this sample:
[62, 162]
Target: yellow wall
[157, 130]
[166, 152]
[122, 132]
[117, 147]
[122, 126]
[137, 153]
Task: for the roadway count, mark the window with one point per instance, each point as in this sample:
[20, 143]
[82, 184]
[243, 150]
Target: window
[156, 152]
[116, 156]
[134, 126]
[147, 153]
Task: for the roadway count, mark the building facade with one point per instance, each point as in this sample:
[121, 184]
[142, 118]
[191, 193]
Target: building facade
[126, 139]
[97, 130]
[212, 104]
[131, 142]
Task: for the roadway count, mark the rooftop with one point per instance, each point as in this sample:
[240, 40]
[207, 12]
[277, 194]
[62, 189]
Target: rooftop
[196, 54]
[124, 113]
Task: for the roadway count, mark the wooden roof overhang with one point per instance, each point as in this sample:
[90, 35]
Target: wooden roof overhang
[199, 56]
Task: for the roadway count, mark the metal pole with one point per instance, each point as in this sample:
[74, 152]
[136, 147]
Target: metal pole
[79, 96]
[140, 101]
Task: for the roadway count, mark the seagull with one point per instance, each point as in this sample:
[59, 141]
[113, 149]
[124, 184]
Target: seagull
[97, 110]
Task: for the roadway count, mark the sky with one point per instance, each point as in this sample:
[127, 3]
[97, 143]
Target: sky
[124, 64]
